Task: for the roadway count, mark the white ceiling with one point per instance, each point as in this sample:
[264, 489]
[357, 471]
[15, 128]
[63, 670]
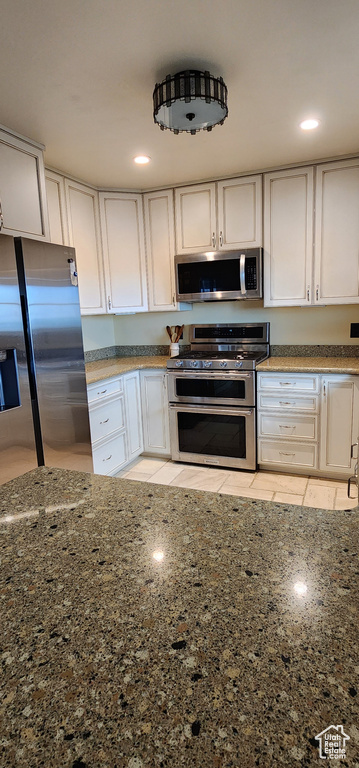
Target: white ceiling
[78, 76]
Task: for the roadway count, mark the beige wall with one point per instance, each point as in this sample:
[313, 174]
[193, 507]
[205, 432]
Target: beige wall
[288, 325]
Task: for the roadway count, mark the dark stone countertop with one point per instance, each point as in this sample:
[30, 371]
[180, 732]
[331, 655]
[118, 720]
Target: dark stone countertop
[207, 658]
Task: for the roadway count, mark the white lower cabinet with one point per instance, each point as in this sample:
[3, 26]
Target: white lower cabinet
[128, 415]
[133, 414]
[339, 422]
[307, 423]
[116, 422]
[154, 395]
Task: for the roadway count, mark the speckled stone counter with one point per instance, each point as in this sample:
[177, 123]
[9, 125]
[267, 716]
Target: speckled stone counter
[146, 626]
[115, 366]
[311, 364]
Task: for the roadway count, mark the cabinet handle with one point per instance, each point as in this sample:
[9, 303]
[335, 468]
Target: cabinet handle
[352, 479]
[173, 299]
[317, 293]
[308, 294]
[104, 422]
[109, 303]
[1, 217]
[355, 445]
[221, 238]
[103, 392]
[287, 383]
[213, 239]
[286, 426]
[285, 402]
[283, 453]
[108, 458]
[324, 390]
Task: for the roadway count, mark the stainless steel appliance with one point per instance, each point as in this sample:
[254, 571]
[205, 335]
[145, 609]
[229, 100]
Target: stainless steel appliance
[354, 479]
[219, 275]
[212, 395]
[43, 398]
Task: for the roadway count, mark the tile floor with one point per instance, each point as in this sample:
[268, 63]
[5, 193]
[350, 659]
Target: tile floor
[270, 486]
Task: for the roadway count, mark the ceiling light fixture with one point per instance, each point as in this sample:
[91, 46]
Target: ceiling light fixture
[142, 159]
[308, 125]
[190, 101]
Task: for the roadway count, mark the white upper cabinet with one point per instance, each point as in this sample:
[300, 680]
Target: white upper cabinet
[288, 237]
[124, 251]
[235, 204]
[240, 213]
[337, 233]
[22, 187]
[84, 236]
[196, 226]
[160, 248]
[56, 207]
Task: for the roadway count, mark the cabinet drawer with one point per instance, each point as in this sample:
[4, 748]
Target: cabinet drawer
[107, 418]
[300, 427]
[288, 402]
[287, 453]
[287, 382]
[110, 456]
[104, 389]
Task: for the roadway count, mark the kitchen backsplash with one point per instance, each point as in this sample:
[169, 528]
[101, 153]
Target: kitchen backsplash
[276, 350]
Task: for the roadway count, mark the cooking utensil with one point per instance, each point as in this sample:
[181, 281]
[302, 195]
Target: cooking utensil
[169, 331]
[179, 329]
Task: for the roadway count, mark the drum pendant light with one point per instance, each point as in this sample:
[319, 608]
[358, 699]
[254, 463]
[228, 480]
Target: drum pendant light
[190, 101]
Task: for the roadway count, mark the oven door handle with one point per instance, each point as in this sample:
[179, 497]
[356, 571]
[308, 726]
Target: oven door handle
[212, 409]
[213, 374]
[242, 273]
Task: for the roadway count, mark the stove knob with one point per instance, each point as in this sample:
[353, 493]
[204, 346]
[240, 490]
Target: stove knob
[194, 363]
[207, 364]
[223, 364]
[179, 363]
[239, 365]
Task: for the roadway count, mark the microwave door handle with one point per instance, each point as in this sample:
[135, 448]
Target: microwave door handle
[242, 274]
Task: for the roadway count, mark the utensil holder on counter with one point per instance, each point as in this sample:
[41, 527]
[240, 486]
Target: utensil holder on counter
[174, 349]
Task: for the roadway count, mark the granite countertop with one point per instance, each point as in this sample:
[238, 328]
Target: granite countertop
[311, 364]
[207, 658]
[115, 366]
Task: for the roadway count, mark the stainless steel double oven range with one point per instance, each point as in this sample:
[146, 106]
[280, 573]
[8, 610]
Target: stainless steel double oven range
[212, 395]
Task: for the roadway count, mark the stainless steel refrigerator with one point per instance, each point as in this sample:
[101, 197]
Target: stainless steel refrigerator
[43, 398]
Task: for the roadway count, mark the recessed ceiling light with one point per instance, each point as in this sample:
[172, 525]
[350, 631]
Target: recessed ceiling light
[142, 159]
[308, 125]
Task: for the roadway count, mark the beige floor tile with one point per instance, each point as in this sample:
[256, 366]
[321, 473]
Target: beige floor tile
[319, 496]
[276, 481]
[203, 480]
[342, 501]
[240, 478]
[166, 474]
[288, 498]
[327, 482]
[249, 493]
[133, 475]
[149, 465]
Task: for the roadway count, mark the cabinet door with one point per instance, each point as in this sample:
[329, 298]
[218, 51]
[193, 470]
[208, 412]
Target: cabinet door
[337, 233]
[196, 228]
[133, 414]
[22, 187]
[160, 247]
[124, 251]
[84, 235]
[339, 422]
[240, 212]
[155, 412]
[288, 237]
[56, 207]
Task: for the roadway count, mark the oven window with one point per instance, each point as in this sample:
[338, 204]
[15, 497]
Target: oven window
[212, 388]
[212, 434]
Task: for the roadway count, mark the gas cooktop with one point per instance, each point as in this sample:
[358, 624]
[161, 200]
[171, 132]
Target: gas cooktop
[209, 352]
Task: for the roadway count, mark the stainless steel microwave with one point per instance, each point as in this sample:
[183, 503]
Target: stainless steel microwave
[219, 275]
